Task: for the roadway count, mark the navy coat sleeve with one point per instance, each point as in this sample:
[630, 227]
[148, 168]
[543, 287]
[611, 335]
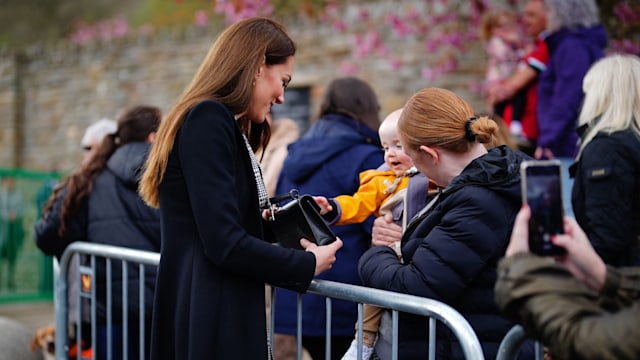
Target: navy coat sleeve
[213, 158]
[449, 256]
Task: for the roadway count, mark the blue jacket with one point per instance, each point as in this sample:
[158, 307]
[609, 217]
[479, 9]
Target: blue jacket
[327, 161]
[572, 52]
[451, 253]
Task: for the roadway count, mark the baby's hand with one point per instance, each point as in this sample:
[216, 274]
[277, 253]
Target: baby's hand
[324, 204]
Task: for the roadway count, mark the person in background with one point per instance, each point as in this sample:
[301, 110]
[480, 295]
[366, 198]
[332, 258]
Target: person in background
[327, 160]
[99, 203]
[504, 48]
[203, 175]
[578, 306]
[45, 283]
[525, 128]
[11, 227]
[451, 248]
[94, 134]
[284, 131]
[382, 192]
[576, 40]
[606, 189]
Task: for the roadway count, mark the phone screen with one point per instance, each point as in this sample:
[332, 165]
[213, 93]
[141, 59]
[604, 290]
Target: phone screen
[542, 191]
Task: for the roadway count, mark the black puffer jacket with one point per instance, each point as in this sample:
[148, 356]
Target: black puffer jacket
[606, 196]
[115, 215]
[451, 254]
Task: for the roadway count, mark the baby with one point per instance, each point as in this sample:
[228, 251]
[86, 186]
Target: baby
[382, 191]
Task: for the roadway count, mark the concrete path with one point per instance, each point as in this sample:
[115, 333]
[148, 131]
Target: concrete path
[31, 315]
[18, 325]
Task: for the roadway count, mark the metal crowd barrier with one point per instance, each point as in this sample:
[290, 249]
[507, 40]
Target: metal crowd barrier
[396, 302]
[61, 309]
[512, 342]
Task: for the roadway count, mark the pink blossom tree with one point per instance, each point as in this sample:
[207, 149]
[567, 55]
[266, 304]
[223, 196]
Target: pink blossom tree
[444, 29]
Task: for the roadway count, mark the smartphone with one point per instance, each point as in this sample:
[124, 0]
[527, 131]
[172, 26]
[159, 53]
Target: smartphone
[542, 192]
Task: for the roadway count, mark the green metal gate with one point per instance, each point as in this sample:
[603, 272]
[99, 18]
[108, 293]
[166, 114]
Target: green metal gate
[26, 274]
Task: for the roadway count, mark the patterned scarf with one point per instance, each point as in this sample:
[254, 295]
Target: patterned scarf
[263, 197]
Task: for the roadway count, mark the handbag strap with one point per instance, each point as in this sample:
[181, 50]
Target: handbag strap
[293, 194]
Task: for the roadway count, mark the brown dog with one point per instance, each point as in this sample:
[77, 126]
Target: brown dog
[45, 341]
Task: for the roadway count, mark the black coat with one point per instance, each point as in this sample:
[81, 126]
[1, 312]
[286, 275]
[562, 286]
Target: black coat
[210, 301]
[606, 196]
[451, 253]
[113, 214]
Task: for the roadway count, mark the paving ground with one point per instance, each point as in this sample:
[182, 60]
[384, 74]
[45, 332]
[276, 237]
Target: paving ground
[18, 324]
[31, 315]
[38, 314]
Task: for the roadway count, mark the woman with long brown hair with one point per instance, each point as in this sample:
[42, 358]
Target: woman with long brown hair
[202, 173]
[99, 203]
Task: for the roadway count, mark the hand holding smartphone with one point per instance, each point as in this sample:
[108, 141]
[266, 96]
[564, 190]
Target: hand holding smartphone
[542, 192]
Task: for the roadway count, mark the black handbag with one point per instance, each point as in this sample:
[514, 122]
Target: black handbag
[299, 218]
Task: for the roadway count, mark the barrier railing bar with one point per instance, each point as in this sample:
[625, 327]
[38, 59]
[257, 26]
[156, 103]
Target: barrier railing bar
[327, 343]
[360, 330]
[79, 306]
[432, 339]
[511, 343]
[94, 311]
[141, 319]
[299, 328]
[109, 322]
[406, 303]
[395, 317]
[125, 313]
[139, 256]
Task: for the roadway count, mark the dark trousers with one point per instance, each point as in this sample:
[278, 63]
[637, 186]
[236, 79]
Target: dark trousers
[315, 345]
[117, 345]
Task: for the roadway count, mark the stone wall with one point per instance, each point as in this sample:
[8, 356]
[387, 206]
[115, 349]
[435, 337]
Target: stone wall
[67, 87]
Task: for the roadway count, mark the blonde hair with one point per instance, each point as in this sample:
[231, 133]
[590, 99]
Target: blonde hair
[490, 21]
[226, 75]
[438, 117]
[612, 97]
[390, 123]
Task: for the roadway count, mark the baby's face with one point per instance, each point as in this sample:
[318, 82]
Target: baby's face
[394, 156]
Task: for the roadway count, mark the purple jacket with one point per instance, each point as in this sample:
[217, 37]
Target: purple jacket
[560, 86]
